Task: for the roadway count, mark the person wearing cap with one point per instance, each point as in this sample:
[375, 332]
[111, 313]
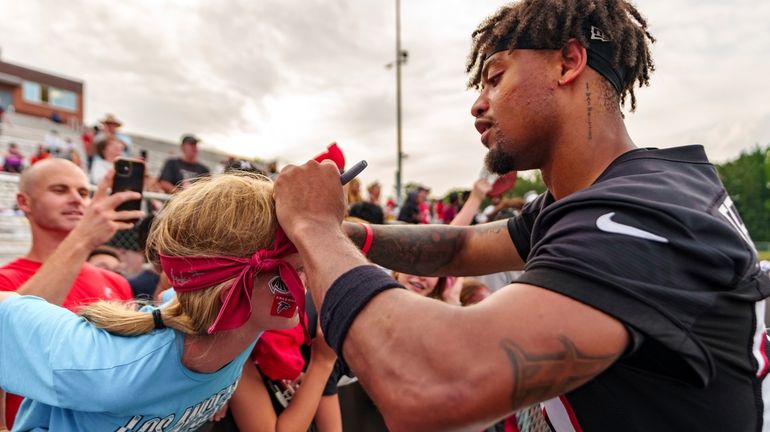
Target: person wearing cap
[110, 126]
[641, 303]
[116, 368]
[178, 172]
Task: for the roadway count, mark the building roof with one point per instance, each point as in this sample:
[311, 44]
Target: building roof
[15, 74]
[10, 79]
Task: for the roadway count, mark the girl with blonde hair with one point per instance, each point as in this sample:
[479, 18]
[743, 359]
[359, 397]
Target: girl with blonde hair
[116, 368]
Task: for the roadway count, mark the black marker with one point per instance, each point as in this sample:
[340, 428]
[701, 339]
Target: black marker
[355, 170]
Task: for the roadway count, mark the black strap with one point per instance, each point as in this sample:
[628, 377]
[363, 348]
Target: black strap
[600, 53]
[346, 297]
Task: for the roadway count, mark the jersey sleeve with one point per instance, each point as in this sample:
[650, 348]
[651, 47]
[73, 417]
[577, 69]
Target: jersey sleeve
[520, 226]
[638, 265]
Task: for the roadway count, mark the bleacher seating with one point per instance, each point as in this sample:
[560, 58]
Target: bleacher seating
[29, 131]
[15, 236]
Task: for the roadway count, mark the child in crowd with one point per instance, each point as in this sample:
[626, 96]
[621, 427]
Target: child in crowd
[161, 368]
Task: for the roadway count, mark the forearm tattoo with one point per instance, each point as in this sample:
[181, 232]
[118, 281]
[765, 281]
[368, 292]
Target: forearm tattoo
[539, 376]
[414, 249]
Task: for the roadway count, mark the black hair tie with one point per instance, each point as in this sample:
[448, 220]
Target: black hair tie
[158, 320]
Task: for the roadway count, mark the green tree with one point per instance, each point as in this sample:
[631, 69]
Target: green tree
[746, 180]
[531, 181]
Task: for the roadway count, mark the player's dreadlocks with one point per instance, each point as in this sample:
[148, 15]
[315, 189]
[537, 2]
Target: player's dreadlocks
[548, 24]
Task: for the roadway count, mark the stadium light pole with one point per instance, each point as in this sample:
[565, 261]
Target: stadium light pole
[401, 57]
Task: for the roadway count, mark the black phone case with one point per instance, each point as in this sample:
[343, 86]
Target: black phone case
[129, 179]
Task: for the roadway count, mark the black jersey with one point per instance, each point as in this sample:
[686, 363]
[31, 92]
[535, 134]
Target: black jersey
[657, 243]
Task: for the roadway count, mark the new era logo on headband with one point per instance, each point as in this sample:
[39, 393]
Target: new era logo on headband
[597, 34]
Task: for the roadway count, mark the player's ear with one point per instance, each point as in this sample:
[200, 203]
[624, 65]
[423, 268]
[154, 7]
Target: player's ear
[574, 58]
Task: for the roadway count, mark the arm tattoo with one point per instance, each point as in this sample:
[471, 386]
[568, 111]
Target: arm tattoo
[415, 249]
[419, 249]
[539, 376]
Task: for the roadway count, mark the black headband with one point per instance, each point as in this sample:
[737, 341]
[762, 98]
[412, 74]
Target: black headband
[600, 53]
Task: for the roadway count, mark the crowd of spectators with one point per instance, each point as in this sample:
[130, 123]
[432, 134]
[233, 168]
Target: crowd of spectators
[53, 194]
[109, 266]
[116, 269]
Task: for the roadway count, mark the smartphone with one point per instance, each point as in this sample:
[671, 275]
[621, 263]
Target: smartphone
[129, 176]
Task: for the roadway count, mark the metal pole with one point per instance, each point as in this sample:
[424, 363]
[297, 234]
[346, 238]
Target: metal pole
[399, 154]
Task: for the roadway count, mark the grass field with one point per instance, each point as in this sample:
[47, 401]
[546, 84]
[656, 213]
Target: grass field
[764, 255]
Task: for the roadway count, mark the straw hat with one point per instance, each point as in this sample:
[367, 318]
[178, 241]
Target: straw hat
[110, 119]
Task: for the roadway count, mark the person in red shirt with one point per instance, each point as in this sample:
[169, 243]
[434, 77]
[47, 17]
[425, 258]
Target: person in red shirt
[39, 155]
[66, 225]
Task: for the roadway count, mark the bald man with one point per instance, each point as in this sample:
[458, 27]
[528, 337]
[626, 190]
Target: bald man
[66, 224]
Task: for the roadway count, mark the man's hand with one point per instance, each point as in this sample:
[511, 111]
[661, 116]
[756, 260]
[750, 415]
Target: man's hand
[100, 221]
[309, 196]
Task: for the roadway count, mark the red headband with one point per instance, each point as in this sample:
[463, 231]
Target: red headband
[196, 273]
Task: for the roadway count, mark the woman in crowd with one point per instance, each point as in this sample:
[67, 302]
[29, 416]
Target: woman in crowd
[108, 149]
[426, 286]
[168, 368]
[354, 192]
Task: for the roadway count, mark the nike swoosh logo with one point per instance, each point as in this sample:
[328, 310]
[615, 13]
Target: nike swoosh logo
[606, 224]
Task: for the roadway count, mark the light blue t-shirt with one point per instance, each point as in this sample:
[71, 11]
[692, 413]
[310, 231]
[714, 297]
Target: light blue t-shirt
[77, 377]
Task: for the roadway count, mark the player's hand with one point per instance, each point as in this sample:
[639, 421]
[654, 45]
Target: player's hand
[309, 196]
[101, 221]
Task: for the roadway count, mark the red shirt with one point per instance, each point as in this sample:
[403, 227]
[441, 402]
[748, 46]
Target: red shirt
[90, 285]
[38, 157]
[278, 353]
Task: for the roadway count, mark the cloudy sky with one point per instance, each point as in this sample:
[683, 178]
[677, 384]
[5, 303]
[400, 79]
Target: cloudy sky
[283, 78]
